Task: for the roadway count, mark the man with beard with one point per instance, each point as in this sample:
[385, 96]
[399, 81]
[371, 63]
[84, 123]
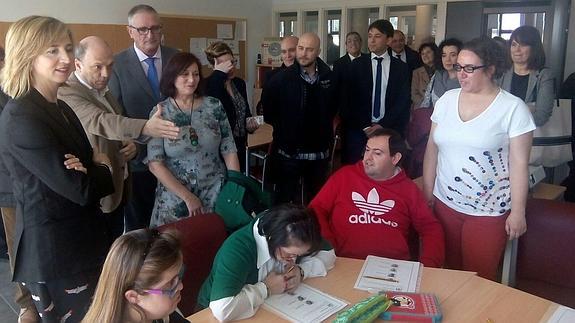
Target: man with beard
[299, 103]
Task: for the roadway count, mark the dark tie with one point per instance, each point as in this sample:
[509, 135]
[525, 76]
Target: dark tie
[398, 56]
[153, 76]
[377, 96]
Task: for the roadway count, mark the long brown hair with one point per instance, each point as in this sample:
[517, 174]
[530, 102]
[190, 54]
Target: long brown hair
[136, 261]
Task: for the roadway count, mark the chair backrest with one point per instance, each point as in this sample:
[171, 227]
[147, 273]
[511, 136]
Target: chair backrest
[201, 237]
[545, 258]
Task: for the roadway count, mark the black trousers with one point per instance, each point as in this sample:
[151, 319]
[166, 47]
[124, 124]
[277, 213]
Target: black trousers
[64, 299]
[139, 207]
[115, 222]
[290, 174]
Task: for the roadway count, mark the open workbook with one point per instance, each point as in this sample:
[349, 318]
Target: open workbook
[385, 274]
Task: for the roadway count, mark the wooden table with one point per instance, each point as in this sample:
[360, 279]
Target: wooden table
[464, 297]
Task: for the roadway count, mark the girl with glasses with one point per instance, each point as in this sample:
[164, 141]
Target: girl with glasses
[271, 255]
[141, 280]
[475, 166]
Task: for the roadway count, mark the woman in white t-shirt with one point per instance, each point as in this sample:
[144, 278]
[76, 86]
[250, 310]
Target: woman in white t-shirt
[475, 167]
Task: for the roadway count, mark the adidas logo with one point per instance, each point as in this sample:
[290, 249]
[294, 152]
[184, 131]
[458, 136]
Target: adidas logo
[372, 209]
[372, 205]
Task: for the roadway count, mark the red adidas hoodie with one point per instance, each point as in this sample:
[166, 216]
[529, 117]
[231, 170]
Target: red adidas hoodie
[362, 217]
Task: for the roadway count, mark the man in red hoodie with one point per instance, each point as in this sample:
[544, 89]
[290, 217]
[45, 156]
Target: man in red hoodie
[368, 208]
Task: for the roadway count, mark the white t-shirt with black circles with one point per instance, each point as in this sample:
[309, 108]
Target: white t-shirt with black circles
[473, 156]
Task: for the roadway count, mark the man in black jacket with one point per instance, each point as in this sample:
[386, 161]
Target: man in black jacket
[299, 103]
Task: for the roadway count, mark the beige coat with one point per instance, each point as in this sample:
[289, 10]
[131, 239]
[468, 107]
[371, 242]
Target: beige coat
[419, 83]
[106, 128]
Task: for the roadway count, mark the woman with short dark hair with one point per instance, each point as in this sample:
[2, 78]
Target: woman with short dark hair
[190, 169]
[271, 255]
[475, 166]
[528, 79]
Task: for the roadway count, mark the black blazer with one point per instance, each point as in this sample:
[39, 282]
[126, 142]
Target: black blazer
[6, 196]
[60, 229]
[357, 110]
[411, 56]
[341, 70]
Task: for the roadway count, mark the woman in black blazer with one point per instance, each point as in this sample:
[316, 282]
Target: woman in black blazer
[223, 85]
[60, 237]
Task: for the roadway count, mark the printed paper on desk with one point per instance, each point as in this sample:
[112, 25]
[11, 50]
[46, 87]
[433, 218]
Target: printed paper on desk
[563, 314]
[306, 305]
[379, 273]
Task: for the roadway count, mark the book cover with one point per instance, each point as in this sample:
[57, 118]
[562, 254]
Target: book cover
[420, 307]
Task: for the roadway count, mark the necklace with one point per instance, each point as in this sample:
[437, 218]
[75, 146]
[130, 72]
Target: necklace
[193, 133]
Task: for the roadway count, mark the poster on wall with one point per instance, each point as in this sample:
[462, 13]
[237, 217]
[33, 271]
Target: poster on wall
[225, 31]
[197, 47]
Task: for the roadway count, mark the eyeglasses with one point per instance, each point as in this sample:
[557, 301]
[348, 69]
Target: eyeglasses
[171, 292]
[467, 68]
[145, 30]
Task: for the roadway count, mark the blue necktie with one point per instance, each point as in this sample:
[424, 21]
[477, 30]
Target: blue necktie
[377, 96]
[153, 76]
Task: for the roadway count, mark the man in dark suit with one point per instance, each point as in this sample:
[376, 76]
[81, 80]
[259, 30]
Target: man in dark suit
[377, 93]
[135, 84]
[399, 50]
[353, 51]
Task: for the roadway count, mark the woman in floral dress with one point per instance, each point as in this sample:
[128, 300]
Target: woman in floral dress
[190, 169]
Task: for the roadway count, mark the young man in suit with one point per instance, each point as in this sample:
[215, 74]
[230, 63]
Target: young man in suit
[86, 92]
[405, 53]
[135, 83]
[377, 93]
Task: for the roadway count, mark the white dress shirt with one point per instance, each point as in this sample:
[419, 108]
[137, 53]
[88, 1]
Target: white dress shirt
[157, 62]
[402, 55]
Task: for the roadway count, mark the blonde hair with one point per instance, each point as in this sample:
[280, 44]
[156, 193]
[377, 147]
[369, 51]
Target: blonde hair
[136, 261]
[26, 39]
[216, 50]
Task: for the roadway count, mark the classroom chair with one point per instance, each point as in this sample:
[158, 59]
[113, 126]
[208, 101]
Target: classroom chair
[545, 256]
[201, 237]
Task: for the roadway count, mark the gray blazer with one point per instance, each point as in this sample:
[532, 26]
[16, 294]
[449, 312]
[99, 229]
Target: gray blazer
[129, 85]
[540, 90]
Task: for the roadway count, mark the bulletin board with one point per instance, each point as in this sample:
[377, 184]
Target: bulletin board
[177, 32]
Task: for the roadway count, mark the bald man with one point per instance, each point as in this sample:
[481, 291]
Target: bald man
[288, 47]
[299, 102]
[86, 91]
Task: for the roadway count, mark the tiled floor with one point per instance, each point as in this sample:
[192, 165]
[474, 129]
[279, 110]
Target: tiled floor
[8, 308]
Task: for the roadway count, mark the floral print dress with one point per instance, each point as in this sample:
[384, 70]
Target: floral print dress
[199, 167]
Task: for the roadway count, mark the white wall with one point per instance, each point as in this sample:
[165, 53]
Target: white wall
[570, 52]
[257, 13]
